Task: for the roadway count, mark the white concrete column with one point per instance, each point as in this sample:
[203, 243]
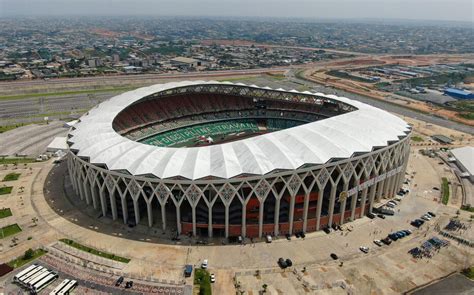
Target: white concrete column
[86, 190]
[277, 217]
[343, 205]
[149, 211]
[103, 204]
[332, 201]
[292, 212]
[124, 210]
[81, 192]
[94, 196]
[373, 190]
[209, 221]
[386, 187]
[136, 210]
[113, 205]
[379, 193]
[244, 216]
[319, 206]
[305, 211]
[178, 219]
[163, 215]
[193, 210]
[354, 203]
[226, 220]
[363, 201]
[260, 218]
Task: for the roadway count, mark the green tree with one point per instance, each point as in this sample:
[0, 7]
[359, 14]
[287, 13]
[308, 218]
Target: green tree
[28, 254]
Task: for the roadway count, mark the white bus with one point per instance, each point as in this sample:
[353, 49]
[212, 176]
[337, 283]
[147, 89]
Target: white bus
[17, 277]
[44, 282]
[38, 278]
[34, 276]
[69, 287]
[59, 287]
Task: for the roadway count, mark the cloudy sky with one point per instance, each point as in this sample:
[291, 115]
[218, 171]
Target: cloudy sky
[460, 10]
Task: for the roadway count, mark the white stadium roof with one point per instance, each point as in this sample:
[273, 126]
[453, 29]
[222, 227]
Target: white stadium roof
[314, 143]
[465, 155]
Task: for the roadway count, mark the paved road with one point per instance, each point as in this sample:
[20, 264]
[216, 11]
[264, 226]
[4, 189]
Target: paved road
[384, 105]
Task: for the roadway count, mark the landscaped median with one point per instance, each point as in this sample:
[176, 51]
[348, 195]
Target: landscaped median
[11, 176]
[94, 251]
[29, 255]
[5, 190]
[5, 212]
[7, 161]
[202, 279]
[444, 190]
[9, 230]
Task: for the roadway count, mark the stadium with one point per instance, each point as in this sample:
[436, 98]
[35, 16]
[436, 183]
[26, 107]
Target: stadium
[218, 159]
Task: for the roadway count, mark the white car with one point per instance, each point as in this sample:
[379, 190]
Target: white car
[390, 205]
[364, 249]
[212, 278]
[204, 264]
[268, 238]
[426, 217]
[378, 243]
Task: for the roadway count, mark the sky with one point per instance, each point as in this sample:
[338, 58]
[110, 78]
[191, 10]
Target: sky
[443, 10]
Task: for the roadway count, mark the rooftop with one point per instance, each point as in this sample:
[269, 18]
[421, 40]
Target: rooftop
[465, 156]
[337, 137]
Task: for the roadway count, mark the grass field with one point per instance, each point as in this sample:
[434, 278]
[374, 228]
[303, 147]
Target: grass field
[95, 251]
[11, 176]
[16, 160]
[5, 190]
[417, 138]
[445, 190]
[202, 279]
[9, 230]
[5, 212]
[19, 262]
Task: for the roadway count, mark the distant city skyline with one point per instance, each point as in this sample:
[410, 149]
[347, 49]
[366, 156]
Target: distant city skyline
[437, 10]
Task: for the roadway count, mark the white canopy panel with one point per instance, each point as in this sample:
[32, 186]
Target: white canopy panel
[314, 143]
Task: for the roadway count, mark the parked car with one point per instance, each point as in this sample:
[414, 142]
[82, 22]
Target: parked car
[364, 249]
[426, 218]
[129, 285]
[188, 270]
[268, 239]
[390, 205]
[381, 216]
[212, 278]
[432, 214]
[393, 236]
[289, 263]
[371, 215]
[119, 281]
[288, 237]
[204, 264]
[378, 243]
[327, 230]
[334, 256]
[407, 232]
[387, 241]
[417, 222]
[282, 263]
[302, 235]
[240, 239]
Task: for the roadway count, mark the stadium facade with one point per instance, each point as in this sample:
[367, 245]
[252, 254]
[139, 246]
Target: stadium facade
[223, 159]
